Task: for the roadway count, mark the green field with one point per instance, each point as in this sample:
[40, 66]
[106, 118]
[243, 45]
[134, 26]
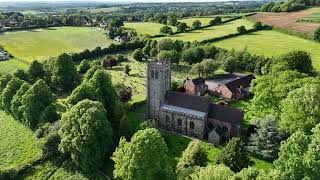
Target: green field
[314, 18]
[272, 43]
[204, 20]
[146, 28]
[12, 65]
[40, 44]
[211, 32]
[18, 145]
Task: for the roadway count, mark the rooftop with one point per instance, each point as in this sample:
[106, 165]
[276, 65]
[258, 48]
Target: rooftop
[181, 110]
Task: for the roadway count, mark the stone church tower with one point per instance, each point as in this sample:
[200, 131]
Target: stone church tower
[158, 83]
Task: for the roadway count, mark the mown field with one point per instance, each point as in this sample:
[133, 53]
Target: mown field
[211, 32]
[17, 143]
[272, 43]
[40, 44]
[146, 28]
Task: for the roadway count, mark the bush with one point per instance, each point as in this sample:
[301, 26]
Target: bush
[84, 66]
[137, 55]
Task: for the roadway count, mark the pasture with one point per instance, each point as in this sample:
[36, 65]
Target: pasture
[146, 28]
[313, 18]
[40, 44]
[211, 32]
[272, 43]
[7, 67]
[18, 145]
[204, 20]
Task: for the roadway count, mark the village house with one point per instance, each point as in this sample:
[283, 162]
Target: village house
[196, 87]
[230, 86]
[121, 38]
[187, 114]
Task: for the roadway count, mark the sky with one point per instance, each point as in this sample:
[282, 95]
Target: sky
[52, 1]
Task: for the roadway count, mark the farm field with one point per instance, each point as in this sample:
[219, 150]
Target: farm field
[272, 43]
[211, 32]
[7, 67]
[289, 20]
[313, 18]
[146, 28]
[204, 20]
[40, 44]
[17, 145]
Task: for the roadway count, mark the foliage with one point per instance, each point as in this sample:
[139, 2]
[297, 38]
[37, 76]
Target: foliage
[127, 70]
[182, 27]
[215, 21]
[193, 155]
[144, 157]
[86, 134]
[206, 68]
[153, 52]
[301, 110]
[64, 75]
[316, 35]
[266, 141]
[146, 50]
[8, 92]
[193, 55]
[137, 55]
[36, 71]
[249, 173]
[35, 102]
[16, 104]
[213, 172]
[170, 56]
[298, 60]
[241, 29]
[235, 155]
[97, 88]
[166, 30]
[196, 24]
[311, 157]
[258, 25]
[83, 67]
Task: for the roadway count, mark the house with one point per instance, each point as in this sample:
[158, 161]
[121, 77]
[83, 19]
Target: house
[121, 39]
[230, 86]
[187, 114]
[196, 87]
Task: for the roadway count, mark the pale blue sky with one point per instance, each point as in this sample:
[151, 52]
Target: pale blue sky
[52, 1]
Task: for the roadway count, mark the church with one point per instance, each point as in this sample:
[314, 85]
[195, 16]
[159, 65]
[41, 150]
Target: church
[191, 115]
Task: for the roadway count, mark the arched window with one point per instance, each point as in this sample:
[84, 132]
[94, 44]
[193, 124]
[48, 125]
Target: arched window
[152, 73]
[179, 122]
[156, 75]
[191, 125]
[167, 119]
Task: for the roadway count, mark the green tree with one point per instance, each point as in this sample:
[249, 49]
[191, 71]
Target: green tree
[241, 29]
[34, 103]
[16, 103]
[83, 67]
[137, 55]
[146, 50]
[36, 70]
[213, 172]
[172, 56]
[249, 173]
[193, 155]
[64, 75]
[98, 88]
[196, 24]
[215, 21]
[182, 27]
[312, 156]
[8, 92]
[153, 52]
[193, 55]
[230, 65]
[301, 109]
[4, 79]
[144, 157]
[127, 70]
[172, 21]
[298, 60]
[210, 51]
[166, 30]
[266, 141]
[258, 25]
[234, 155]
[86, 134]
[290, 162]
[316, 35]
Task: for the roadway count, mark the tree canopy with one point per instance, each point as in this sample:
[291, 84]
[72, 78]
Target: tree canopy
[193, 155]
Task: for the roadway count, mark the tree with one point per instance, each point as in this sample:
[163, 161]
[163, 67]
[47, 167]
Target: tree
[64, 75]
[266, 141]
[146, 146]
[127, 70]
[193, 55]
[16, 104]
[290, 162]
[301, 109]
[311, 158]
[230, 65]
[298, 60]
[241, 29]
[316, 35]
[249, 173]
[98, 88]
[234, 155]
[4, 79]
[34, 103]
[153, 52]
[146, 50]
[36, 70]
[165, 44]
[217, 20]
[166, 30]
[193, 155]
[196, 24]
[258, 25]
[172, 21]
[210, 51]
[137, 55]
[182, 27]
[172, 56]
[84, 66]
[86, 134]
[213, 172]
[8, 92]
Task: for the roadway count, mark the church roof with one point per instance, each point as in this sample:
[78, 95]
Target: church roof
[181, 110]
[225, 114]
[183, 100]
[198, 81]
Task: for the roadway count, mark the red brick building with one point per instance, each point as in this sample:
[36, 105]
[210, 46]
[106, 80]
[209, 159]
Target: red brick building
[195, 87]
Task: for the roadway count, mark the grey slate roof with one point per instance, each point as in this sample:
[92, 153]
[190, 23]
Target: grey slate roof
[190, 112]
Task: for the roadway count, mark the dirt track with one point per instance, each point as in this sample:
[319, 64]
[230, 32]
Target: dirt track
[288, 20]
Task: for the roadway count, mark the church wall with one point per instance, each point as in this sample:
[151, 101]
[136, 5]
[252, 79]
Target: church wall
[222, 124]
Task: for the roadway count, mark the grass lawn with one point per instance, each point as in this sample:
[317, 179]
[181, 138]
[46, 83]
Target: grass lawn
[211, 32]
[272, 43]
[146, 28]
[40, 44]
[17, 145]
[12, 65]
